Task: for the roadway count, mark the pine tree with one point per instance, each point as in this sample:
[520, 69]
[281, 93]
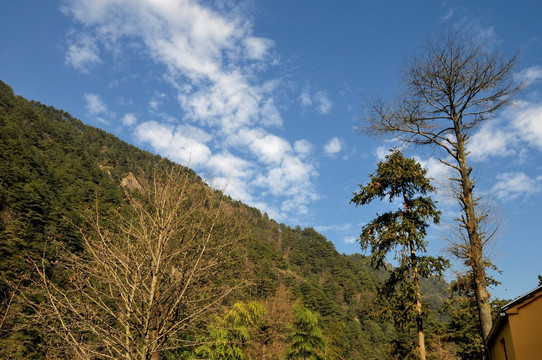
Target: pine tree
[403, 232]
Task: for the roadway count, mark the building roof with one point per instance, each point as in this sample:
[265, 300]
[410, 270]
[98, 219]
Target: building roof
[521, 299]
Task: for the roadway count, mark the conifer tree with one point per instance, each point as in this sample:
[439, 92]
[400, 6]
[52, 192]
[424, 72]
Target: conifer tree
[307, 341]
[403, 232]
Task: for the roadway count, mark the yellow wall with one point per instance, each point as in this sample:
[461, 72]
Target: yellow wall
[526, 328]
[497, 350]
[521, 333]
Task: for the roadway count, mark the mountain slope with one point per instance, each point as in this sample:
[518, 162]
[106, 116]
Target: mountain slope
[53, 167]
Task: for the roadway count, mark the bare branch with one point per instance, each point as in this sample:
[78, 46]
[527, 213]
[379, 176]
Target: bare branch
[145, 276]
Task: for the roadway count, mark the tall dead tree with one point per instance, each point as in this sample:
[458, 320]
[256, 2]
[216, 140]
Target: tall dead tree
[146, 275]
[449, 90]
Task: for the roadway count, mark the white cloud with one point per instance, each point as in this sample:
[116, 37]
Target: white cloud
[513, 185]
[529, 75]
[303, 147]
[333, 146]
[129, 119]
[83, 54]
[156, 101]
[305, 99]
[436, 170]
[478, 31]
[384, 150]
[270, 116]
[291, 177]
[324, 104]
[229, 165]
[518, 128]
[334, 227]
[232, 173]
[350, 240]
[319, 100]
[102, 121]
[448, 15]
[212, 60]
[491, 140]
[196, 44]
[381, 152]
[257, 48]
[183, 144]
[95, 105]
[268, 148]
[527, 122]
[484, 35]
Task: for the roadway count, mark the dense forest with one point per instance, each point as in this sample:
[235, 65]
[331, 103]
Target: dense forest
[83, 215]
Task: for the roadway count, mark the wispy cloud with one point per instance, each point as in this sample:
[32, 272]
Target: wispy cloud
[491, 140]
[517, 129]
[436, 170]
[513, 185]
[95, 105]
[129, 119]
[333, 146]
[305, 99]
[320, 101]
[448, 15]
[324, 104]
[211, 60]
[529, 75]
[350, 239]
[184, 143]
[82, 53]
[527, 123]
[334, 227]
[477, 30]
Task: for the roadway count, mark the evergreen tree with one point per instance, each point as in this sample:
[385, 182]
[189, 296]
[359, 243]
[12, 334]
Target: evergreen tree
[402, 231]
[307, 341]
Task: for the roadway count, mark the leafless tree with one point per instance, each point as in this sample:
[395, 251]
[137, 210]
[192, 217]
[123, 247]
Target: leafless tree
[146, 274]
[449, 90]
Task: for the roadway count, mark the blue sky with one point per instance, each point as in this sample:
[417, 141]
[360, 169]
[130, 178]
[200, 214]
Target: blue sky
[266, 97]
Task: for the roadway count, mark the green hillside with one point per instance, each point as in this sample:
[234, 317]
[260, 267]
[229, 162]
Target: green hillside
[55, 170]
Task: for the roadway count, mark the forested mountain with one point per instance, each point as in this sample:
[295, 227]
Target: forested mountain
[56, 173]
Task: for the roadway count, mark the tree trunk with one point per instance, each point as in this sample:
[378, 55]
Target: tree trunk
[470, 222]
[419, 320]
[419, 326]
[416, 281]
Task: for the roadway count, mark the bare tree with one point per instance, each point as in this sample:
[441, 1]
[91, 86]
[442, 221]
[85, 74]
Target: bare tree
[448, 91]
[146, 275]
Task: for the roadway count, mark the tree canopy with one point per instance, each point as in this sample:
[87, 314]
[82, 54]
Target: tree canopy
[402, 232]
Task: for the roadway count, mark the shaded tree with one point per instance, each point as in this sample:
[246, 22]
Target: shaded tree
[449, 90]
[403, 232]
